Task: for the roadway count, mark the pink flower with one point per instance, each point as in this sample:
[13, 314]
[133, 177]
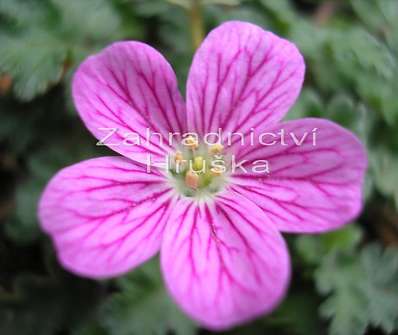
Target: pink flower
[219, 232]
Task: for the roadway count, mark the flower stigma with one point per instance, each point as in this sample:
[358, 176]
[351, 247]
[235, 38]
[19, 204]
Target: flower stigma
[198, 170]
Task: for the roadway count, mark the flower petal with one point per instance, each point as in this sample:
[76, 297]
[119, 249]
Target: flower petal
[223, 266]
[105, 215]
[312, 187]
[242, 77]
[131, 88]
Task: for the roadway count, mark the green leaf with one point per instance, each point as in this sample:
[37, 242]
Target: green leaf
[282, 12]
[25, 13]
[296, 314]
[380, 17]
[34, 59]
[151, 8]
[362, 290]
[310, 104]
[347, 58]
[381, 286]
[343, 109]
[384, 166]
[44, 45]
[340, 276]
[23, 226]
[143, 307]
[313, 248]
[248, 13]
[93, 20]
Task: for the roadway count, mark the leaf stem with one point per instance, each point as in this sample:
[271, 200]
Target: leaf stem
[197, 28]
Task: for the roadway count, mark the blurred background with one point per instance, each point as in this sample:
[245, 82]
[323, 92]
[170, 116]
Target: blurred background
[344, 283]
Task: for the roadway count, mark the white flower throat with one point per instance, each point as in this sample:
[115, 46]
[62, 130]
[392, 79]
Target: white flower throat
[198, 169]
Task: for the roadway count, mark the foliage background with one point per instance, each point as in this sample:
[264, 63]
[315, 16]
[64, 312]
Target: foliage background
[344, 283]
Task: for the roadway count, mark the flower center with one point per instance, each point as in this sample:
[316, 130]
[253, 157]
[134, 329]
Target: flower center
[198, 169]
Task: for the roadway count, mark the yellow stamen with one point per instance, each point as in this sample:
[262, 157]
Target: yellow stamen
[198, 163]
[180, 162]
[191, 142]
[192, 179]
[178, 157]
[216, 171]
[216, 149]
